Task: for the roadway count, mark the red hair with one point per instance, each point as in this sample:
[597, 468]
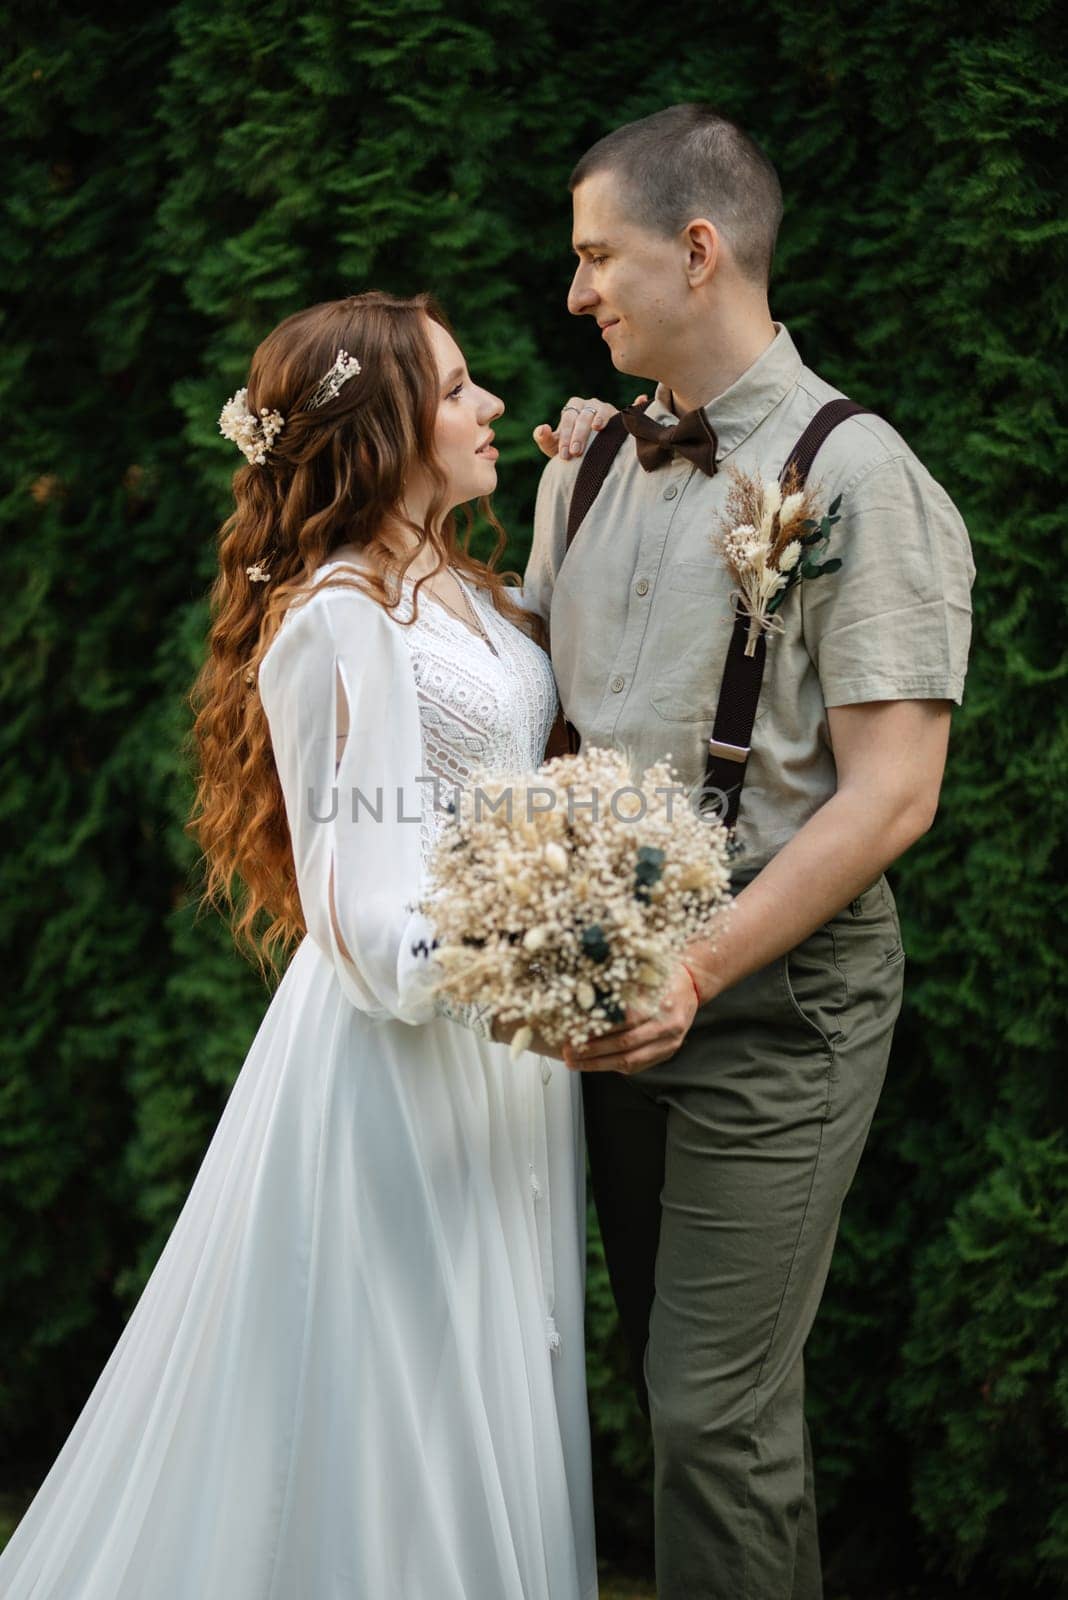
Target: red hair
[333, 477]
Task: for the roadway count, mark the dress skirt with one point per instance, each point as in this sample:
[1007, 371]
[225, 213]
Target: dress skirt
[356, 1371]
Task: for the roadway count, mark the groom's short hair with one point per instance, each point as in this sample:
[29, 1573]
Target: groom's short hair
[691, 161]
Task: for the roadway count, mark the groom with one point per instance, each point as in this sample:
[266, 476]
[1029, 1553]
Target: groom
[724, 1133]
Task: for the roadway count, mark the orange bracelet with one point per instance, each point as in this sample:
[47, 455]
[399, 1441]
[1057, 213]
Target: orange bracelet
[693, 980]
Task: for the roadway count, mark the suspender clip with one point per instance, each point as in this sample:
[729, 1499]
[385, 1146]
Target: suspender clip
[729, 752]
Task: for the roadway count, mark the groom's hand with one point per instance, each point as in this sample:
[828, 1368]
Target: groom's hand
[640, 1041]
[578, 420]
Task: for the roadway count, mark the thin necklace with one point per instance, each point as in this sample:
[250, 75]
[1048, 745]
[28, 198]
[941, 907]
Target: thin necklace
[472, 613]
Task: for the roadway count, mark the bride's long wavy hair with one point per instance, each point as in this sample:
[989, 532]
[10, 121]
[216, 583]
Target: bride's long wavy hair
[334, 476]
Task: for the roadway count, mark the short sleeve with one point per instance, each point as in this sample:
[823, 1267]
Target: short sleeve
[339, 694]
[894, 622]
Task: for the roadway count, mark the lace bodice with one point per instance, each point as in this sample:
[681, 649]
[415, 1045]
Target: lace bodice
[477, 709]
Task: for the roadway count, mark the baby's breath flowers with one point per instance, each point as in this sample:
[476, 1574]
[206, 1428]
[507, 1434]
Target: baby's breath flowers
[770, 540]
[253, 435]
[560, 898]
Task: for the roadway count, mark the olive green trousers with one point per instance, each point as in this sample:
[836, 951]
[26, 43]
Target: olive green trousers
[719, 1177]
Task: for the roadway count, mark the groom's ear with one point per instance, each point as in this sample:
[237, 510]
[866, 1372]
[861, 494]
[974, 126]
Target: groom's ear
[704, 248]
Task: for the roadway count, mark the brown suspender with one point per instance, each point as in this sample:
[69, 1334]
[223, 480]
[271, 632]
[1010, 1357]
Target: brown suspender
[601, 451]
[739, 694]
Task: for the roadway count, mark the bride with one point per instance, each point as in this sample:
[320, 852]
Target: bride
[356, 1372]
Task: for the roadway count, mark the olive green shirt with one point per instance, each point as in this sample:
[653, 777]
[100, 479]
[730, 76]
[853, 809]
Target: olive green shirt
[640, 608]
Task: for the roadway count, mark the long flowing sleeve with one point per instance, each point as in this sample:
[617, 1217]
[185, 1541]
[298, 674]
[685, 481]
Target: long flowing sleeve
[339, 694]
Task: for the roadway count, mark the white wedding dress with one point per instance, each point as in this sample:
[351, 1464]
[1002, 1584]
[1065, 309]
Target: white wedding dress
[356, 1372]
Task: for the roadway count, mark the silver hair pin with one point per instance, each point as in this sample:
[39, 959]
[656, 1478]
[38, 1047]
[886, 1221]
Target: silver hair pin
[344, 368]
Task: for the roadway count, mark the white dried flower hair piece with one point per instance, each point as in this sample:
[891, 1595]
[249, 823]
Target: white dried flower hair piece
[344, 368]
[253, 435]
[256, 574]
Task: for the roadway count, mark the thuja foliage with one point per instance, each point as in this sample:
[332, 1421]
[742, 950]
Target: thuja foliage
[178, 178]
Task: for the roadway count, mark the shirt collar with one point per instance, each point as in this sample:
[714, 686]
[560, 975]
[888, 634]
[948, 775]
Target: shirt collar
[738, 410]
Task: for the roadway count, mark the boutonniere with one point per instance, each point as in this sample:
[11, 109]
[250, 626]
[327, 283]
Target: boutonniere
[770, 540]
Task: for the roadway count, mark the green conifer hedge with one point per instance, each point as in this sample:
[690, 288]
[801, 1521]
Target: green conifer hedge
[178, 178]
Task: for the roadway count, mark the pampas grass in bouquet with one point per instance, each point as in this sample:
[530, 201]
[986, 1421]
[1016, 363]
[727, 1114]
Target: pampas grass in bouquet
[560, 898]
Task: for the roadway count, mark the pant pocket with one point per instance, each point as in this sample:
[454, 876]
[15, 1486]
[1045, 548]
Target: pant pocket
[815, 986]
[872, 959]
[872, 920]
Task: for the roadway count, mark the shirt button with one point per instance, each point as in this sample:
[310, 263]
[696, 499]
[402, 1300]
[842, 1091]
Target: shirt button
[642, 586]
[616, 685]
[670, 492]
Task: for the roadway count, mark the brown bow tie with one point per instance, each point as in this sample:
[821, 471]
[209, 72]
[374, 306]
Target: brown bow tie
[693, 436]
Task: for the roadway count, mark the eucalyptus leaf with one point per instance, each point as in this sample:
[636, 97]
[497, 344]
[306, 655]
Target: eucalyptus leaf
[650, 870]
[651, 855]
[614, 1013]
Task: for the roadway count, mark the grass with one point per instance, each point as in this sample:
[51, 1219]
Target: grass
[11, 1508]
[615, 1587]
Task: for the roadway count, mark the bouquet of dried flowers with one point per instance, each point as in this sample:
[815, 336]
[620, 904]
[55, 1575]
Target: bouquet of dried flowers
[562, 897]
[771, 536]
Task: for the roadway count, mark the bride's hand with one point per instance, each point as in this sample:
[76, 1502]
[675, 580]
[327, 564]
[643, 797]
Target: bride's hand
[578, 420]
[503, 1033]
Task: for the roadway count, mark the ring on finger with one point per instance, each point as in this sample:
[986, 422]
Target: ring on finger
[572, 408]
[589, 408]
